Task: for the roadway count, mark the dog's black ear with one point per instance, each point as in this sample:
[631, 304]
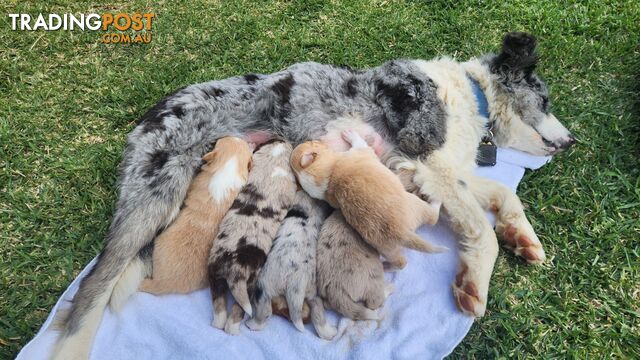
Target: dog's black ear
[518, 55]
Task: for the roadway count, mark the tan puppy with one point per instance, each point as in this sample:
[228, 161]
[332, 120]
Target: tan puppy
[370, 196]
[181, 252]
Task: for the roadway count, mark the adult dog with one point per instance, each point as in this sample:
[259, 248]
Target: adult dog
[425, 111]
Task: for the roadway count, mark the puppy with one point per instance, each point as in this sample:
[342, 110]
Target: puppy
[371, 197]
[350, 273]
[247, 232]
[181, 252]
[290, 269]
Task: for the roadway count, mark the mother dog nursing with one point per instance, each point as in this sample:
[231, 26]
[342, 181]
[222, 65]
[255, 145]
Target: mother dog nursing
[430, 122]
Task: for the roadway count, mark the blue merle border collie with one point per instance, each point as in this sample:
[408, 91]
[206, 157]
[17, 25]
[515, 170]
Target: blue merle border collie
[425, 111]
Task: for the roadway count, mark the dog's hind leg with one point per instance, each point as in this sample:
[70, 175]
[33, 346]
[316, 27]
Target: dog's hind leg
[512, 225]
[232, 327]
[219, 294]
[323, 329]
[478, 244]
[262, 312]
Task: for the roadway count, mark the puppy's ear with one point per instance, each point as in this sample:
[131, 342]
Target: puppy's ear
[307, 158]
[518, 56]
[208, 157]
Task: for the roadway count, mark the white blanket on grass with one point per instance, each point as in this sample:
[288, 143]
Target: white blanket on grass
[420, 318]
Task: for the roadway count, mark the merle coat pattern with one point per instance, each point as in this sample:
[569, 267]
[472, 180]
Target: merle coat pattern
[350, 272]
[424, 110]
[247, 232]
[290, 269]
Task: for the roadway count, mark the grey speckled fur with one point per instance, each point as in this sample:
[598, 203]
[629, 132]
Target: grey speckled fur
[350, 272]
[290, 269]
[248, 229]
[165, 149]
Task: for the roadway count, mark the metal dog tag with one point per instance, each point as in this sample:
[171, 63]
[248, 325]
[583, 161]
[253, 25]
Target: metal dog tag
[487, 154]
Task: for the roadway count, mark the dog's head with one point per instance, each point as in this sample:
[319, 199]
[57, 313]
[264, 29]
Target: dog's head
[229, 148]
[521, 108]
[312, 162]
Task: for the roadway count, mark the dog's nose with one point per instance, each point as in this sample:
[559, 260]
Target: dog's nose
[567, 142]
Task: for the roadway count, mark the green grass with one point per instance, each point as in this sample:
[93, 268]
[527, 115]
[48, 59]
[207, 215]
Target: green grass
[68, 101]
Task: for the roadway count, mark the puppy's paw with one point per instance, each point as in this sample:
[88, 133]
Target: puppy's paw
[353, 138]
[219, 320]
[388, 289]
[522, 240]
[326, 331]
[466, 294]
[255, 325]
[395, 266]
[232, 328]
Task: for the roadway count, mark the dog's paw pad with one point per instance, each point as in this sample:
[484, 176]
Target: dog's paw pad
[467, 295]
[523, 244]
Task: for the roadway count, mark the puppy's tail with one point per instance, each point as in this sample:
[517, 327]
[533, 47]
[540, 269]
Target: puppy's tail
[415, 242]
[128, 283]
[343, 304]
[240, 293]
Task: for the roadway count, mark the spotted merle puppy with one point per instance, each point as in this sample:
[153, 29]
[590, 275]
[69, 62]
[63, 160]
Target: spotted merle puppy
[247, 232]
[290, 269]
[425, 111]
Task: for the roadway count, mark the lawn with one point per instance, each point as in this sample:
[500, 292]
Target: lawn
[68, 101]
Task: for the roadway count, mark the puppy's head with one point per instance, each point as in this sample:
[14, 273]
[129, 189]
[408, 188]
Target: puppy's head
[226, 149]
[312, 162]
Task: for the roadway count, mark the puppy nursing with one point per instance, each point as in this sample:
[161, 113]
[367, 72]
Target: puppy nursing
[247, 232]
[358, 184]
[181, 252]
[350, 273]
[290, 269]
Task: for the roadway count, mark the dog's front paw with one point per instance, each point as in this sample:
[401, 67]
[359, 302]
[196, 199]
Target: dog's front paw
[467, 295]
[522, 240]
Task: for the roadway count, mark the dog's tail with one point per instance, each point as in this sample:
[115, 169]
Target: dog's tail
[295, 301]
[129, 233]
[128, 283]
[240, 293]
[83, 318]
[415, 242]
[343, 304]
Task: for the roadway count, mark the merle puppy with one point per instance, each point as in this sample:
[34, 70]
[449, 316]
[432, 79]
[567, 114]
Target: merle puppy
[247, 232]
[290, 269]
[427, 112]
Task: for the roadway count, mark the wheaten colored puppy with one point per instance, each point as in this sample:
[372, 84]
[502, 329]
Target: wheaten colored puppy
[350, 273]
[247, 232]
[371, 197]
[290, 269]
[181, 252]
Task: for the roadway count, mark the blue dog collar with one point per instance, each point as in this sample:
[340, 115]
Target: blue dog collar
[487, 150]
[481, 99]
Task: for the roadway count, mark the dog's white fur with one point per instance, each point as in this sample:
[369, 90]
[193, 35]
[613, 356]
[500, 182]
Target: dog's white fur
[439, 176]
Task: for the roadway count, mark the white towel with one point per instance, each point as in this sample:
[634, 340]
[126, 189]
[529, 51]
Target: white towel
[420, 317]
